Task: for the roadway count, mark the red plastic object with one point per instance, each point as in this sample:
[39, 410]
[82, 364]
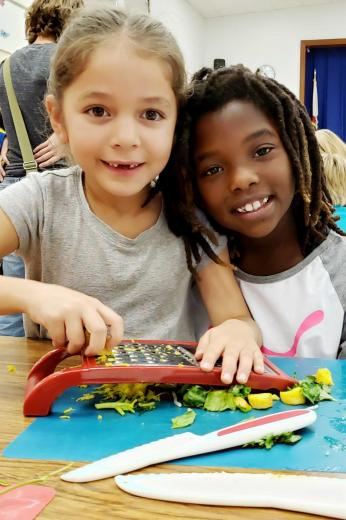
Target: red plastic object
[25, 502]
[44, 385]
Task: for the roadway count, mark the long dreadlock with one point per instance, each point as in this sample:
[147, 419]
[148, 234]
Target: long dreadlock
[179, 205]
[211, 90]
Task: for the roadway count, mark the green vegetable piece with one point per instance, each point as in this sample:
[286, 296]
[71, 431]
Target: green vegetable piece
[147, 406]
[68, 411]
[240, 390]
[242, 404]
[85, 397]
[195, 396]
[315, 392]
[269, 441]
[230, 401]
[119, 406]
[181, 421]
[216, 401]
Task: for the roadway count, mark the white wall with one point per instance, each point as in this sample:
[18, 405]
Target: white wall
[186, 25]
[182, 20]
[11, 23]
[273, 37]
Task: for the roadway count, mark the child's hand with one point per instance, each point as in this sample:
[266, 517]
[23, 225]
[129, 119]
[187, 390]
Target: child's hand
[234, 340]
[67, 314]
[3, 162]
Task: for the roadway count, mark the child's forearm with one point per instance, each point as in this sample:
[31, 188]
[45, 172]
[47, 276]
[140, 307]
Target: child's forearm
[15, 294]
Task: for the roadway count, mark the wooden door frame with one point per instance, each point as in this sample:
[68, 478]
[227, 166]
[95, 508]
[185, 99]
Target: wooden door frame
[304, 44]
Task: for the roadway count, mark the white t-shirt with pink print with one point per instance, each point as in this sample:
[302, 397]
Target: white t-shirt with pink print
[301, 311]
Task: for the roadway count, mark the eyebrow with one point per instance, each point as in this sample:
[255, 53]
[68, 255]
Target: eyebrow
[263, 132]
[154, 99]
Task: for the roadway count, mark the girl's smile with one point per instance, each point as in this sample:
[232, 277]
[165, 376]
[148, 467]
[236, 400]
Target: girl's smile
[242, 170]
[124, 168]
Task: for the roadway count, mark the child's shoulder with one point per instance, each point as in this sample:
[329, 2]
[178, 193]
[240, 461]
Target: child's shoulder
[54, 175]
[333, 251]
[64, 179]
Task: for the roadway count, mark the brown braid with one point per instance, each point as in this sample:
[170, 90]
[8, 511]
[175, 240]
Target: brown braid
[211, 90]
[180, 205]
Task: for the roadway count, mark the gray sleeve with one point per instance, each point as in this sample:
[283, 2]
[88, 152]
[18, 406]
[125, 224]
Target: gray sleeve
[342, 346]
[23, 203]
[334, 260]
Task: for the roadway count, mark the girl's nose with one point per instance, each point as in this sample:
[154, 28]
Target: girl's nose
[125, 133]
[241, 178]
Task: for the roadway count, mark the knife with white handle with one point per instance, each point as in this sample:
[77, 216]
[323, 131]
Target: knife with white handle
[187, 444]
[308, 494]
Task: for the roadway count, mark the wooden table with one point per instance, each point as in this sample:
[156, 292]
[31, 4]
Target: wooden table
[94, 500]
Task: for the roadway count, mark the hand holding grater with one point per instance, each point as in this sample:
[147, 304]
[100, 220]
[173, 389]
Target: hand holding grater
[133, 361]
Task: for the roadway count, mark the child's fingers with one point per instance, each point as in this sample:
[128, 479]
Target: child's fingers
[115, 325]
[249, 357]
[97, 328]
[57, 334]
[229, 366]
[106, 330]
[258, 363]
[245, 364]
[210, 354]
[202, 346]
[75, 335]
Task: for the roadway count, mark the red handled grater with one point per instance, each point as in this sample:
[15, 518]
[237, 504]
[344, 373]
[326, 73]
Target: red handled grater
[132, 361]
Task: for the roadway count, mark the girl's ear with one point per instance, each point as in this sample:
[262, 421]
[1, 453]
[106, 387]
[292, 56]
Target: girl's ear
[56, 118]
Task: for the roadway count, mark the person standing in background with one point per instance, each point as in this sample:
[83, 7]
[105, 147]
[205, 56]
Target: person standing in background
[30, 66]
[3, 157]
[3, 149]
[333, 151]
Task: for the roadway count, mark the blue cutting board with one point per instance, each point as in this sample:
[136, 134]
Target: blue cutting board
[86, 438]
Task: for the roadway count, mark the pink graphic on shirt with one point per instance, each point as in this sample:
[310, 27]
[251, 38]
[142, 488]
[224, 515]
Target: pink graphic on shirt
[310, 321]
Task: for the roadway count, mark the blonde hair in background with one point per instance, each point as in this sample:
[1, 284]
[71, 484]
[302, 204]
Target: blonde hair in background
[48, 17]
[333, 152]
[329, 142]
[335, 173]
[93, 26]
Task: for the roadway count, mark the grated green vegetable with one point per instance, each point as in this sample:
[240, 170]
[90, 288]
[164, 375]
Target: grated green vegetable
[186, 419]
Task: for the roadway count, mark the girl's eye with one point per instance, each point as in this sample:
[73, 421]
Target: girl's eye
[152, 115]
[263, 151]
[98, 112]
[212, 171]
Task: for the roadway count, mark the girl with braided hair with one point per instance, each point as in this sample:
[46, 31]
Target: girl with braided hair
[253, 165]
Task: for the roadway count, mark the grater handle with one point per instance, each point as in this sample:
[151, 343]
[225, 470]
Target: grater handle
[43, 368]
[47, 364]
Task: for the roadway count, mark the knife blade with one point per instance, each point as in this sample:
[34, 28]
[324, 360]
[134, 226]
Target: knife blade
[187, 444]
[308, 494]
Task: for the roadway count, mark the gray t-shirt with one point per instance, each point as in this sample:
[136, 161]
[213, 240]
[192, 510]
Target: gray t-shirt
[145, 280]
[29, 73]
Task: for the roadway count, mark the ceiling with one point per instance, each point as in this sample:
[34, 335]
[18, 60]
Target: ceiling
[214, 8]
